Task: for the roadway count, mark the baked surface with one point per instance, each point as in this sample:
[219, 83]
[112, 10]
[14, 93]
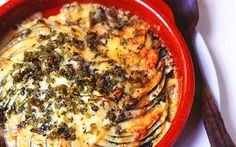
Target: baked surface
[88, 76]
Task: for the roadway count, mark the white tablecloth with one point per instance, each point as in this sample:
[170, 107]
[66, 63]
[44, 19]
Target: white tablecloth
[217, 25]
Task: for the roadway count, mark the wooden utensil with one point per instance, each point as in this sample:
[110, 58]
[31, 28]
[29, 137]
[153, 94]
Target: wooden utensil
[186, 17]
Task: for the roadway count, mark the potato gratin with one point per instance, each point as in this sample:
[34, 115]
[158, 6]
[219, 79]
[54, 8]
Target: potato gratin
[89, 76]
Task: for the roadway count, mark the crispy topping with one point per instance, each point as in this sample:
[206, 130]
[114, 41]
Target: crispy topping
[82, 77]
[98, 16]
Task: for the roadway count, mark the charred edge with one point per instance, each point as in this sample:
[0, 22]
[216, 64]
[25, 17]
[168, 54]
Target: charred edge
[147, 107]
[146, 140]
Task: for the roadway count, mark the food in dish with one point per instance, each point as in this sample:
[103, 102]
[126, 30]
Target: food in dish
[89, 76]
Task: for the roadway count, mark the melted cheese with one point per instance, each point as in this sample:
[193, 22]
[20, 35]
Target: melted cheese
[91, 127]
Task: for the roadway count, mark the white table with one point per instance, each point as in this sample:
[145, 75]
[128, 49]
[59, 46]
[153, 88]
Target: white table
[218, 26]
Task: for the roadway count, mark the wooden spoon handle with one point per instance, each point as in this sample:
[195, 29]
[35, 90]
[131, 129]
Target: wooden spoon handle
[2, 141]
[212, 118]
[213, 122]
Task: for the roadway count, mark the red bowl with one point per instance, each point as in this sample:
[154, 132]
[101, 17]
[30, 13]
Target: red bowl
[156, 13]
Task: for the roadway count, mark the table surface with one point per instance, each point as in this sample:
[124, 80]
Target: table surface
[217, 25]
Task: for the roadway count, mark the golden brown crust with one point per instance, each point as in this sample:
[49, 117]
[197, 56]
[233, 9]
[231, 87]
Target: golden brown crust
[90, 76]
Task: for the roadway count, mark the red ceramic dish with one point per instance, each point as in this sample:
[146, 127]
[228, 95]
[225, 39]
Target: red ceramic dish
[156, 13]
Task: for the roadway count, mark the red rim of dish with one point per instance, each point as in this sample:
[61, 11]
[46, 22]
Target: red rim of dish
[160, 9]
[185, 105]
